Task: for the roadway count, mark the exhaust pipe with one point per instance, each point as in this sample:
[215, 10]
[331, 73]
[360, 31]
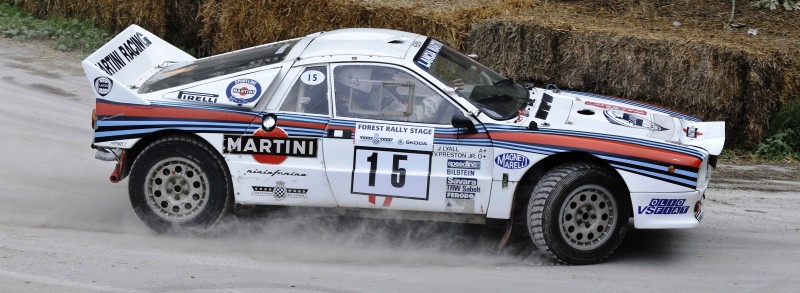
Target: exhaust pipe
[118, 173]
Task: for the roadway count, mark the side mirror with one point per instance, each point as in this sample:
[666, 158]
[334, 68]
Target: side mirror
[461, 121]
[268, 122]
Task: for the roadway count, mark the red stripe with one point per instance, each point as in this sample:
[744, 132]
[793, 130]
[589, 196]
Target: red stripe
[108, 109]
[372, 199]
[333, 127]
[461, 136]
[614, 147]
[311, 125]
[387, 201]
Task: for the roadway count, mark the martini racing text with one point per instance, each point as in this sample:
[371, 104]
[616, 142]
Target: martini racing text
[294, 147]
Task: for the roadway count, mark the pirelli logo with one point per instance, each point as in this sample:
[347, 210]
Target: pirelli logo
[293, 147]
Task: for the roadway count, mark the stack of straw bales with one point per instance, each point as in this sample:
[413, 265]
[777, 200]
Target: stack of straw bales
[525, 39]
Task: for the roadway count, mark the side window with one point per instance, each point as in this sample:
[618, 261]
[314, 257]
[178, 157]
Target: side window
[387, 93]
[309, 93]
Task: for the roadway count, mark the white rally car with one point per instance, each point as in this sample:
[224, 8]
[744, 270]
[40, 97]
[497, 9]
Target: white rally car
[368, 120]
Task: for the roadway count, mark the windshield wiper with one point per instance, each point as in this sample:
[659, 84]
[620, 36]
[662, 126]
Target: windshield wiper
[504, 82]
[479, 100]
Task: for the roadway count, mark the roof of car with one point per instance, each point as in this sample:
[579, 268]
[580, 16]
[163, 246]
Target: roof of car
[360, 41]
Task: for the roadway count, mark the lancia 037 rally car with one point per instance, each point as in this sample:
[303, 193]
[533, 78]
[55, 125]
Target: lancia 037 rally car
[375, 119]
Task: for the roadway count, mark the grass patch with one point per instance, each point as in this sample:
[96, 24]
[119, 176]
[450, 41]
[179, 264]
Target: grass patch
[68, 34]
[783, 140]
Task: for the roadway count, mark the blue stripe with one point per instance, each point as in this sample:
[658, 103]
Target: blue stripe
[666, 178]
[651, 166]
[526, 147]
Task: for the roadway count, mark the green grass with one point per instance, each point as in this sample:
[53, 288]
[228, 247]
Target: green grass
[68, 34]
[783, 137]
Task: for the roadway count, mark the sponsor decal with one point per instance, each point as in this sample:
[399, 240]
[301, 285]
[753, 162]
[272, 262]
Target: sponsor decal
[462, 181]
[619, 108]
[409, 137]
[124, 54]
[272, 173]
[512, 161]
[270, 147]
[456, 205]
[692, 132]
[376, 139]
[121, 144]
[198, 97]
[296, 147]
[463, 164]
[429, 55]
[663, 206]
[462, 185]
[460, 195]
[631, 120]
[411, 142]
[280, 191]
[243, 91]
[103, 85]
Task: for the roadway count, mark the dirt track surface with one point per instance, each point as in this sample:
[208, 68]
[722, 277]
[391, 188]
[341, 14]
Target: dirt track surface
[64, 227]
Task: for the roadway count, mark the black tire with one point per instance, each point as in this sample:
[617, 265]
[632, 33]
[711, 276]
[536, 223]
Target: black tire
[578, 213]
[179, 185]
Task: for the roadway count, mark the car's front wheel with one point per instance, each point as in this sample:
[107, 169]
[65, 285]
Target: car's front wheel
[578, 213]
[178, 184]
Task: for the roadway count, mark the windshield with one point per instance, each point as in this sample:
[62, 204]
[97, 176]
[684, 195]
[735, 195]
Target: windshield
[497, 96]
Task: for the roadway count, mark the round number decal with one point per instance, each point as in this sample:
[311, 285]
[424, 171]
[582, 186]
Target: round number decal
[312, 77]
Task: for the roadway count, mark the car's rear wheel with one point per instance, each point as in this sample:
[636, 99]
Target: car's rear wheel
[577, 213]
[178, 184]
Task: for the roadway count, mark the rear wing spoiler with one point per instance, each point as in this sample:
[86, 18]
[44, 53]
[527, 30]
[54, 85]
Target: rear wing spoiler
[126, 61]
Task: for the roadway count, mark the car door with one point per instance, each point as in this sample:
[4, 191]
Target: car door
[285, 166]
[390, 145]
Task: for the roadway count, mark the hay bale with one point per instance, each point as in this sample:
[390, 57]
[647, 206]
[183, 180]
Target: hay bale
[231, 24]
[113, 15]
[708, 81]
[181, 24]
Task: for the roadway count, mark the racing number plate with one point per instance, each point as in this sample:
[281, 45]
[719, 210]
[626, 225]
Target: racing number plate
[387, 172]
